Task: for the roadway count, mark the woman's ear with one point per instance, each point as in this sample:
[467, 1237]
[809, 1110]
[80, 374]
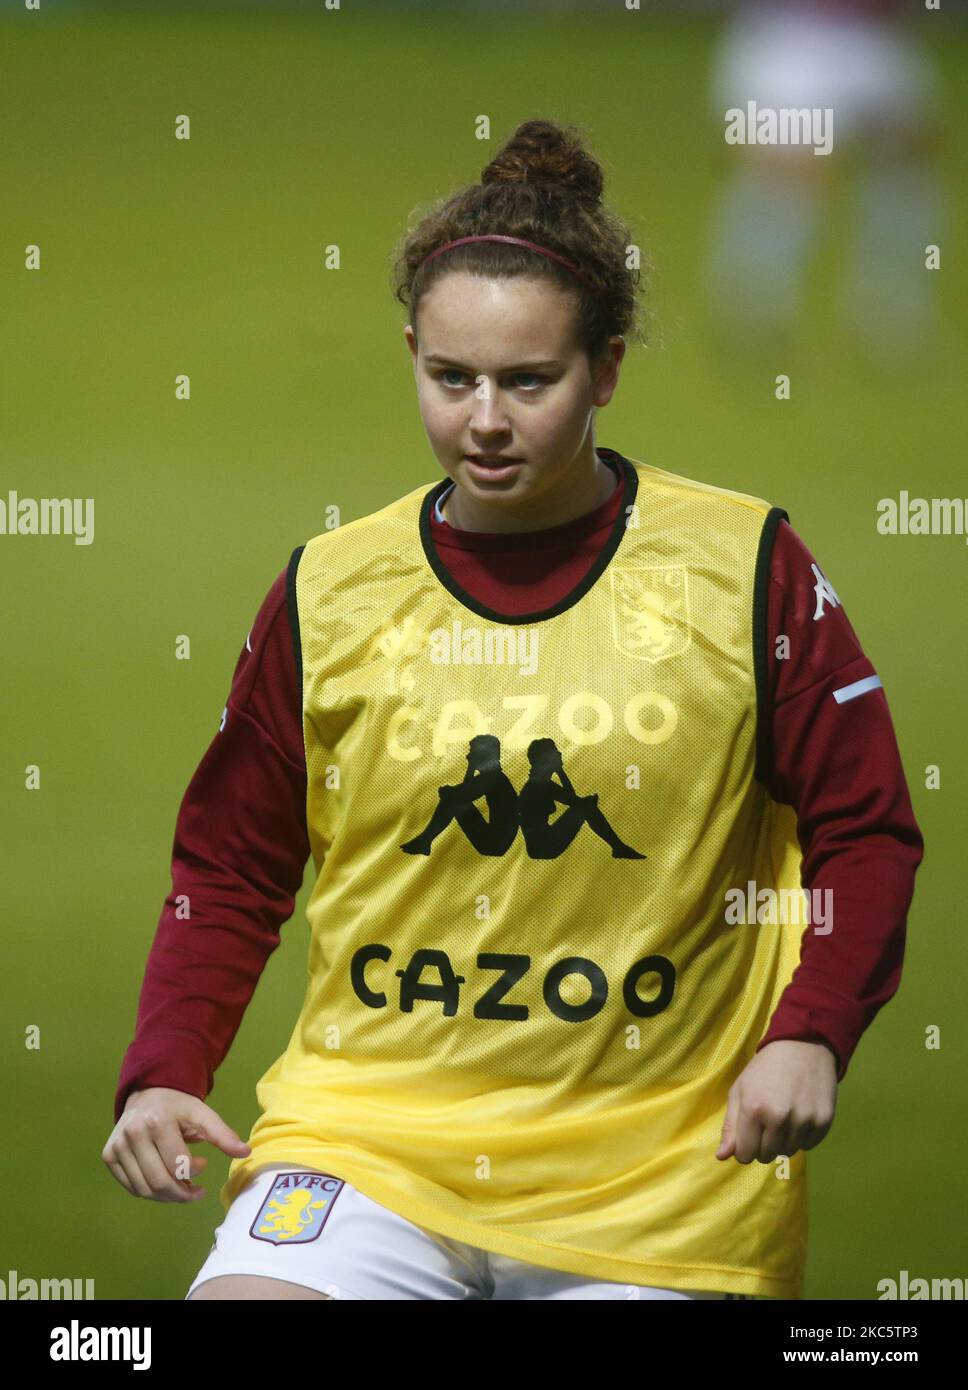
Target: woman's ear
[605, 377]
[408, 333]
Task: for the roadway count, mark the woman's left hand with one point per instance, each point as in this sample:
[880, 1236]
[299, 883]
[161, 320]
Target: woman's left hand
[782, 1101]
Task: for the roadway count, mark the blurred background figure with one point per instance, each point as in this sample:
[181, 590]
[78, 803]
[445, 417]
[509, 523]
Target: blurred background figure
[859, 59]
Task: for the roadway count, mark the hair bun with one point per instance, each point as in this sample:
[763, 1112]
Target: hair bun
[546, 153]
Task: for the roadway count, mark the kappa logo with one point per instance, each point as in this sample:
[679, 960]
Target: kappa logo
[650, 611]
[824, 592]
[530, 810]
[296, 1208]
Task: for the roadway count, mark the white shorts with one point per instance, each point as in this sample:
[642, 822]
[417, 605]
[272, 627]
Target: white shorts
[298, 1224]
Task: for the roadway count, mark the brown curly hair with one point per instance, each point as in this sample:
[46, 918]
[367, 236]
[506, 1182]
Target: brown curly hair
[544, 186]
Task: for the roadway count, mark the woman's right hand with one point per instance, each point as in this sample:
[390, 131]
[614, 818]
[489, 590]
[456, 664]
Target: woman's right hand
[148, 1148]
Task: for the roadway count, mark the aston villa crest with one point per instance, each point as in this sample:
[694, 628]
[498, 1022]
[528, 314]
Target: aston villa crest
[296, 1208]
[650, 611]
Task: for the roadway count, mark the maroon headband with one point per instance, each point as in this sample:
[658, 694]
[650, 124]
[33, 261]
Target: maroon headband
[513, 241]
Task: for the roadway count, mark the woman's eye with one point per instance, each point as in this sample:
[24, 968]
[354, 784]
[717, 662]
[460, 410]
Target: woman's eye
[518, 376]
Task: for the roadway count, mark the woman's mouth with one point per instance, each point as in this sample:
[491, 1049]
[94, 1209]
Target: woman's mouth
[493, 467]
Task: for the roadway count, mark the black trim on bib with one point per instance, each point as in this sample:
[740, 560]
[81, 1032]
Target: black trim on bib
[293, 610]
[430, 500]
[761, 669]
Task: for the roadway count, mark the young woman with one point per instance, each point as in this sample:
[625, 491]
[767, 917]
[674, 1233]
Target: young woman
[537, 730]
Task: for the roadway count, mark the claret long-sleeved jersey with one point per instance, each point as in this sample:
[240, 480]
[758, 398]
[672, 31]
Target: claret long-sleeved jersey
[528, 988]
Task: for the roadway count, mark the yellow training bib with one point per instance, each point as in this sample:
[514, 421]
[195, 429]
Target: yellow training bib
[526, 1004]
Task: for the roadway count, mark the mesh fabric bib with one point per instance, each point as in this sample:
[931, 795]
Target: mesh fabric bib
[525, 1004]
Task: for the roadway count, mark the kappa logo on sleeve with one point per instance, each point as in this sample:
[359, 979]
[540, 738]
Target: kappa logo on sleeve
[824, 591]
[296, 1208]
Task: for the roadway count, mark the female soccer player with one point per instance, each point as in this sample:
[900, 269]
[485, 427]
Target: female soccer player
[560, 780]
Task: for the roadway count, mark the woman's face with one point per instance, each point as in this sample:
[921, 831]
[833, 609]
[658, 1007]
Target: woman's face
[499, 371]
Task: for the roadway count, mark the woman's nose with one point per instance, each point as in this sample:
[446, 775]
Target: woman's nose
[488, 412]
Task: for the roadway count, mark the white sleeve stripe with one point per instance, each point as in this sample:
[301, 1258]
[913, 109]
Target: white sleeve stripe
[850, 692]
